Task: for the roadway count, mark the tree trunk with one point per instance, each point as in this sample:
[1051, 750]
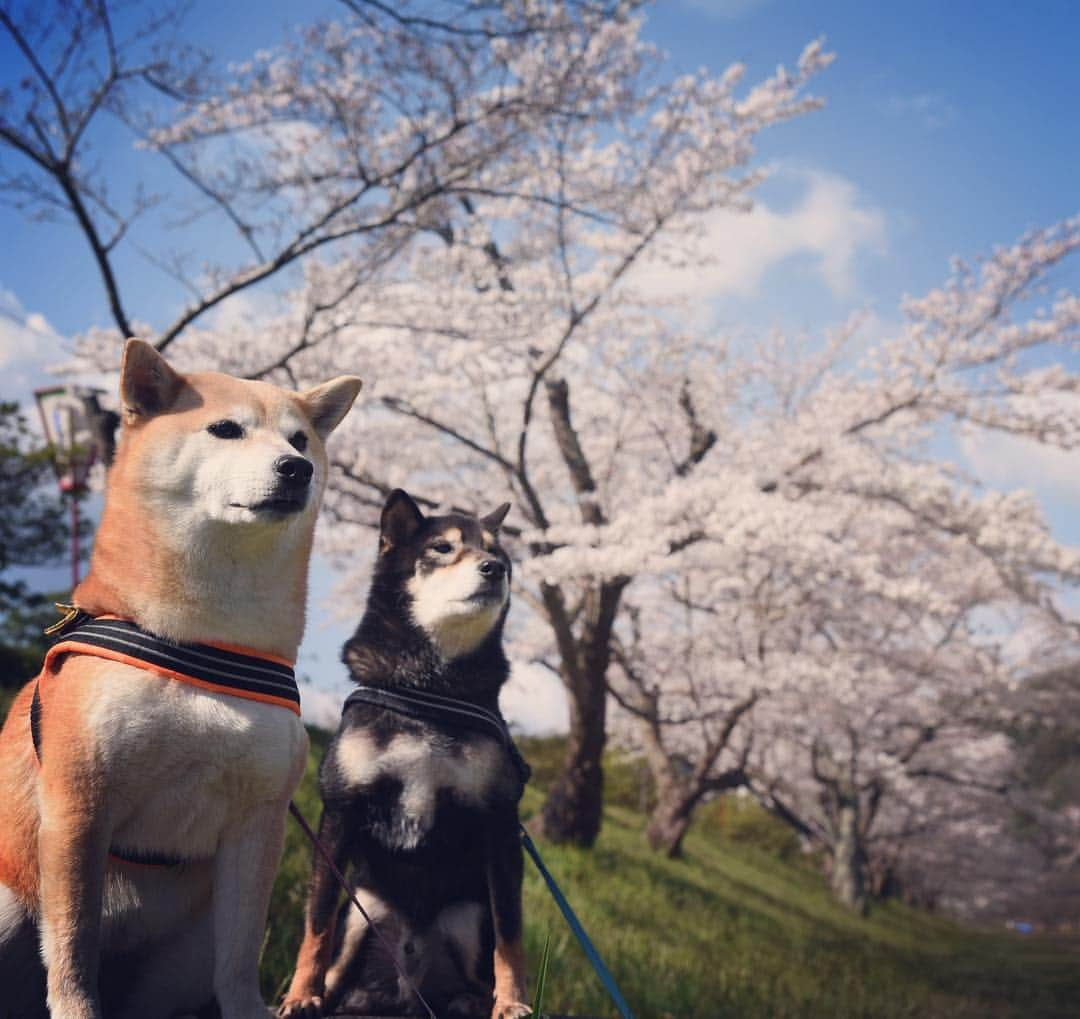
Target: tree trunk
[573, 809]
[848, 874]
[668, 823]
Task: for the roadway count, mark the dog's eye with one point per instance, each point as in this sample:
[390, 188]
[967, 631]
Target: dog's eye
[226, 430]
[298, 441]
[442, 547]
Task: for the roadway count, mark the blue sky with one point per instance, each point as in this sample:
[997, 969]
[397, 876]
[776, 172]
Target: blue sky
[948, 128]
[957, 121]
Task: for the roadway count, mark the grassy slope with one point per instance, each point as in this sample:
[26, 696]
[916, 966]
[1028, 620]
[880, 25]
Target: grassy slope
[732, 931]
[735, 931]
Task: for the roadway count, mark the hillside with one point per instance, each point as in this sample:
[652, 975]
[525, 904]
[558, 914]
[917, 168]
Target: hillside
[741, 927]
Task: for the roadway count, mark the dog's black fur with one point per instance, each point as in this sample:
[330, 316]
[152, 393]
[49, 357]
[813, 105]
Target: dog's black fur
[463, 859]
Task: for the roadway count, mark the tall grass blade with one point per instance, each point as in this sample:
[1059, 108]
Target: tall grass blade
[541, 978]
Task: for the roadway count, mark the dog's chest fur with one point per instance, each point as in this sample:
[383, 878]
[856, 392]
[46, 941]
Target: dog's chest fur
[182, 763]
[413, 774]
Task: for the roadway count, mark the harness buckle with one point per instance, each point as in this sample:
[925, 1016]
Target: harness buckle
[71, 613]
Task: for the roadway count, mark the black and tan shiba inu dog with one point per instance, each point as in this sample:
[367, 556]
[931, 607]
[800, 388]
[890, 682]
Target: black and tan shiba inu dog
[421, 803]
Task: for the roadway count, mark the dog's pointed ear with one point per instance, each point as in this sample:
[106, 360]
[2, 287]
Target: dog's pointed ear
[327, 404]
[401, 519]
[148, 384]
[493, 521]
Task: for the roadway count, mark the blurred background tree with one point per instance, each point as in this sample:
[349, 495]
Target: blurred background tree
[34, 531]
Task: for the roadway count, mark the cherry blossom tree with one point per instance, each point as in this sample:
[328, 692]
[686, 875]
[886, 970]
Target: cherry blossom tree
[780, 534]
[1044, 827]
[486, 194]
[861, 780]
[687, 677]
[356, 138]
[464, 203]
[989, 831]
[845, 596]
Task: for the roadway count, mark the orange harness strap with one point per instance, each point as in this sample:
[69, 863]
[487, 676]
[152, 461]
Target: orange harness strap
[238, 672]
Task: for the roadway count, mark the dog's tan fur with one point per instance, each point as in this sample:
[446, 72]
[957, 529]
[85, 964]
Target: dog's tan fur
[510, 991]
[131, 759]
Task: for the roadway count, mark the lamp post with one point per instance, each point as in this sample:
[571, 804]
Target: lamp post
[70, 417]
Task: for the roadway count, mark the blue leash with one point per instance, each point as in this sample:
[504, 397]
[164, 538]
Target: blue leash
[579, 932]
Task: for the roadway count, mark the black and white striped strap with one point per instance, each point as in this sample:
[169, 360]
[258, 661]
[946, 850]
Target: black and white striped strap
[249, 675]
[448, 711]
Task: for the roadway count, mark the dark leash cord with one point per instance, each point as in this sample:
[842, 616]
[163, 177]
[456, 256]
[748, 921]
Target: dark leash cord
[389, 949]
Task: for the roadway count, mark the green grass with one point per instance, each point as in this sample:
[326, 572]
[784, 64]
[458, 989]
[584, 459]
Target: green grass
[541, 977]
[740, 927]
[731, 931]
[743, 926]
[284, 926]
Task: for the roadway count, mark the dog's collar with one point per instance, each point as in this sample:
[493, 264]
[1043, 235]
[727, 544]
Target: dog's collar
[239, 672]
[448, 711]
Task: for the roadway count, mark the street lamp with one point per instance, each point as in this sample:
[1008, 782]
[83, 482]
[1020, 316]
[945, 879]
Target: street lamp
[72, 419]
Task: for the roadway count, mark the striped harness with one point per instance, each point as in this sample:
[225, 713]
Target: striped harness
[238, 672]
[445, 711]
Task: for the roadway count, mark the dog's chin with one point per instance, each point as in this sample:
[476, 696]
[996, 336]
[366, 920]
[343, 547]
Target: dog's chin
[478, 605]
[271, 510]
[481, 602]
[464, 624]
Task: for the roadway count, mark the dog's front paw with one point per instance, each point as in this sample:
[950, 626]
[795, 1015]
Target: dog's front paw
[301, 1008]
[510, 1010]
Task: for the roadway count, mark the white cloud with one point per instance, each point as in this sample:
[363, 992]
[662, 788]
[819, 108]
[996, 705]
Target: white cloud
[932, 109]
[830, 224]
[322, 705]
[534, 701]
[1010, 462]
[727, 9]
[28, 345]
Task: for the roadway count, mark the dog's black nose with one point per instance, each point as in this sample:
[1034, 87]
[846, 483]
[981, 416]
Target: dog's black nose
[295, 471]
[492, 569]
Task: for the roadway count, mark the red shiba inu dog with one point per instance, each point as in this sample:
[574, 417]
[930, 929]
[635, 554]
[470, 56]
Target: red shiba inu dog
[117, 757]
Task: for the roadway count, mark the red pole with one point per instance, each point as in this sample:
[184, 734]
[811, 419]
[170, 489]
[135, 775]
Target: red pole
[74, 540]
